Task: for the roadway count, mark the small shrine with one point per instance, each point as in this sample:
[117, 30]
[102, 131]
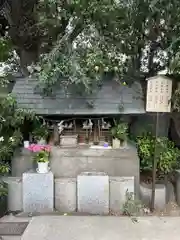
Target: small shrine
[71, 117]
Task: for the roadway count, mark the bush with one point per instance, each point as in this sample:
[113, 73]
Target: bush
[167, 154]
[12, 119]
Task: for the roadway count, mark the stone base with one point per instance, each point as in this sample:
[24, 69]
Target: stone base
[38, 192]
[119, 186]
[14, 198]
[65, 194]
[178, 187]
[160, 195]
[93, 193]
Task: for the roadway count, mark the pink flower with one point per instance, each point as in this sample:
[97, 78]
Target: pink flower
[39, 148]
[30, 148]
[47, 148]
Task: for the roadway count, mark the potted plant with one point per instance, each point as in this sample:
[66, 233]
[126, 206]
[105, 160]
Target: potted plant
[41, 156]
[119, 133]
[40, 134]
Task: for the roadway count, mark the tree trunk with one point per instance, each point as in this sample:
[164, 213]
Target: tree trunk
[26, 59]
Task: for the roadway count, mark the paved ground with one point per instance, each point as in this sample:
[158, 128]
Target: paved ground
[11, 218]
[102, 228]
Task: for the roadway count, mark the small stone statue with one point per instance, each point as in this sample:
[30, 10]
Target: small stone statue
[87, 124]
[61, 127]
[105, 125]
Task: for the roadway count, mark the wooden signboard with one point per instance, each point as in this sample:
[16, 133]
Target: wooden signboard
[159, 90]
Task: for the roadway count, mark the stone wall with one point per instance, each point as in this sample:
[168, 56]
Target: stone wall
[69, 162]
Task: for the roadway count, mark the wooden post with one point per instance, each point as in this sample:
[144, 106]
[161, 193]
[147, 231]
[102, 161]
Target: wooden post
[156, 154]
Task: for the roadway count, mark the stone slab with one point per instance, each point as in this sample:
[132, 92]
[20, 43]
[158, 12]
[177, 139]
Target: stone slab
[178, 186]
[38, 192]
[14, 193]
[119, 186]
[93, 193]
[160, 195]
[102, 228]
[65, 194]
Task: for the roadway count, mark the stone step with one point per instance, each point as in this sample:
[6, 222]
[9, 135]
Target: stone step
[10, 238]
[12, 218]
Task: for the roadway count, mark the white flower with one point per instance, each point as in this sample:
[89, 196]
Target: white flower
[1, 139]
[38, 68]
[30, 69]
[96, 68]
[59, 9]
[106, 69]
[11, 139]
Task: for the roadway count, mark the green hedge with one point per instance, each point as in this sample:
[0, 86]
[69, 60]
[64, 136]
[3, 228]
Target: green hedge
[3, 205]
[3, 199]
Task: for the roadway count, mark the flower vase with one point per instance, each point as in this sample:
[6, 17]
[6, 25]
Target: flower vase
[43, 167]
[116, 143]
[26, 144]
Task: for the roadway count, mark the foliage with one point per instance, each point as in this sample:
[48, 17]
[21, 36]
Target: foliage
[120, 131]
[78, 40]
[3, 189]
[6, 63]
[132, 207]
[5, 49]
[41, 152]
[132, 39]
[12, 120]
[4, 169]
[176, 100]
[40, 131]
[163, 149]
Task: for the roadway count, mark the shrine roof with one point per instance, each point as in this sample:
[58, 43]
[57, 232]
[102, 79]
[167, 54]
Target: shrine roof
[107, 100]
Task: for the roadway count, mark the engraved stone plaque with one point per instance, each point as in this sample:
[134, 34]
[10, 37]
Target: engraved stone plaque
[119, 186]
[65, 194]
[38, 192]
[93, 193]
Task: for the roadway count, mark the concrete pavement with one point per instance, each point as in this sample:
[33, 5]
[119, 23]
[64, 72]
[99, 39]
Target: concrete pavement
[102, 228]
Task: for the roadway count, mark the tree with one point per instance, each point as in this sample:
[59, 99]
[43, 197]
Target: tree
[77, 40]
[135, 40]
[12, 118]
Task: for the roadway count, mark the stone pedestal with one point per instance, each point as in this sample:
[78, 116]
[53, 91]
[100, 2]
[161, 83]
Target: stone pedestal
[178, 186]
[38, 192]
[65, 194]
[14, 198]
[93, 193]
[160, 195]
[15, 194]
[119, 186]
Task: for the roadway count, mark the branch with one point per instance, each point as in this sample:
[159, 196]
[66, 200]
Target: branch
[68, 38]
[76, 31]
